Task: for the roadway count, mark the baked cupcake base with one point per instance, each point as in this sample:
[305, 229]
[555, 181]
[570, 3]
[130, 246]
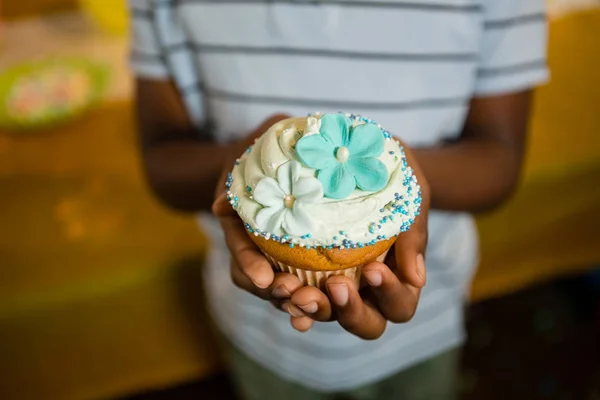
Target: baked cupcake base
[314, 266]
[315, 278]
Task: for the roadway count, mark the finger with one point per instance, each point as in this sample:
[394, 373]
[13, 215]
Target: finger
[244, 252]
[406, 258]
[221, 206]
[352, 313]
[281, 288]
[291, 309]
[411, 245]
[302, 324]
[396, 300]
[313, 302]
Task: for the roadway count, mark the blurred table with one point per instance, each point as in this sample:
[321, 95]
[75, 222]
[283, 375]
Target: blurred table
[100, 285]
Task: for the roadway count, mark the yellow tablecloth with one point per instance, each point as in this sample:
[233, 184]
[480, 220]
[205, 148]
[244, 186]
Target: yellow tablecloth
[99, 285]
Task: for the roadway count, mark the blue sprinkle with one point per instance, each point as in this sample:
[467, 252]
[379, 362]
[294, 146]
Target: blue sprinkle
[251, 230]
[391, 153]
[286, 237]
[329, 247]
[360, 245]
[342, 233]
[335, 238]
[249, 189]
[381, 210]
[291, 245]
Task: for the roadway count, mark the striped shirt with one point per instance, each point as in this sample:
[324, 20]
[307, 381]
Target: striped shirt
[411, 65]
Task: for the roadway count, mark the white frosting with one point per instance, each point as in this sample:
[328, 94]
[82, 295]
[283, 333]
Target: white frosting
[363, 217]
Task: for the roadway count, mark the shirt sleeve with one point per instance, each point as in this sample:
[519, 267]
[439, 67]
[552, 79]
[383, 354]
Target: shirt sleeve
[146, 56]
[513, 49]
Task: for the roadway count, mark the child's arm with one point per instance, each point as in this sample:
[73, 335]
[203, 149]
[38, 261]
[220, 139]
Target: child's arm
[181, 167]
[481, 169]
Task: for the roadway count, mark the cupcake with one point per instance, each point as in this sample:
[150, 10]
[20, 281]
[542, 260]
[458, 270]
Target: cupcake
[324, 195]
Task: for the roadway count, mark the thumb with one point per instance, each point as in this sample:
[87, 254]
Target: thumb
[407, 261]
[221, 207]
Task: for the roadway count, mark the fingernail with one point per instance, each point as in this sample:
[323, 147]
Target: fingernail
[374, 278]
[292, 310]
[421, 266]
[260, 285]
[339, 293]
[280, 292]
[310, 308]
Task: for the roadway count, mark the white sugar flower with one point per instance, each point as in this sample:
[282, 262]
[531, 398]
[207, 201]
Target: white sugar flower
[313, 126]
[284, 200]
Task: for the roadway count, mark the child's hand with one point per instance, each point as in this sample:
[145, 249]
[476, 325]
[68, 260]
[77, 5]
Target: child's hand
[250, 270]
[392, 289]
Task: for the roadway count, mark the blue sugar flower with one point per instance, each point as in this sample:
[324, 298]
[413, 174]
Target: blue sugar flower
[345, 156]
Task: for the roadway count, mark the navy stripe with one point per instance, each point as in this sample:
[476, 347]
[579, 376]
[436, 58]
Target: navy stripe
[179, 46]
[520, 20]
[147, 57]
[290, 51]
[324, 103]
[362, 4]
[139, 13]
[512, 69]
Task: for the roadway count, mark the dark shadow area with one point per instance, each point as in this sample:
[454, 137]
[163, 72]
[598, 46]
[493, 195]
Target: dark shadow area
[540, 343]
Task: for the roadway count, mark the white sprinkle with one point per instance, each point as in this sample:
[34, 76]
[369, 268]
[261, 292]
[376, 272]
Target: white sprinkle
[255, 233]
[341, 247]
[379, 126]
[231, 201]
[318, 113]
[301, 244]
[268, 236]
[348, 115]
[273, 165]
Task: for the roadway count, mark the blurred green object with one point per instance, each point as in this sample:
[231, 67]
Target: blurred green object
[49, 92]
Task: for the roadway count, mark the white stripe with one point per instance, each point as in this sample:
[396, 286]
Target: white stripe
[506, 9]
[415, 126]
[338, 79]
[506, 47]
[325, 27]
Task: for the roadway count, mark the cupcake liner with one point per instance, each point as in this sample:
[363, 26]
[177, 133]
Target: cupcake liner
[318, 278]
